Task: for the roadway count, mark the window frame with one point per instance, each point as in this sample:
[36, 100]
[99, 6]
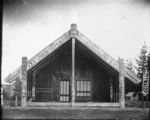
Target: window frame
[83, 91]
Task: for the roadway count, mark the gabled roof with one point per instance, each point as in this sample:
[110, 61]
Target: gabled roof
[73, 32]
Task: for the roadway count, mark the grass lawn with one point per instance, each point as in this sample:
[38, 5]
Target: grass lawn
[75, 113]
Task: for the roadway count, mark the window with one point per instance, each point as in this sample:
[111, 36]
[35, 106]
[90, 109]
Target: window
[64, 90]
[83, 88]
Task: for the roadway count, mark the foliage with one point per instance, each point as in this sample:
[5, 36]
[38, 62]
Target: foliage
[138, 70]
[8, 92]
[141, 60]
[130, 66]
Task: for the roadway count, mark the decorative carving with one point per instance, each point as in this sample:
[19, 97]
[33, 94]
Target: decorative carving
[107, 58]
[24, 82]
[131, 76]
[73, 32]
[40, 56]
[121, 83]
[145, 83]
[99, 52]
[60, 41]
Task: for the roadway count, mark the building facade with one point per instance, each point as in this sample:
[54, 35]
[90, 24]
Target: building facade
[72, 71]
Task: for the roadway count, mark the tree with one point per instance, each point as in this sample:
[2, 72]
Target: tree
[130, 86]
[130, 66]
[140, 62]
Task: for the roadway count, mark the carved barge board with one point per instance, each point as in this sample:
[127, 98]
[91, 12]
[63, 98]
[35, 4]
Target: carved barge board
[40, 56]
[99, 52]
[131, 76]
[63, 39]
[107, 58]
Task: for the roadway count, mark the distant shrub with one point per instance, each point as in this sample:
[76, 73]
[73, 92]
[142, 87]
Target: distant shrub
[8, 93]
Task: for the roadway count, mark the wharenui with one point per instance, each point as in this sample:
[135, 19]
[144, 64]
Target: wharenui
[72, 71]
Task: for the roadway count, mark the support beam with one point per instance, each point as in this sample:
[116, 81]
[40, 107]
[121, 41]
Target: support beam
[73, 73]
[24, 82]
[121, 83]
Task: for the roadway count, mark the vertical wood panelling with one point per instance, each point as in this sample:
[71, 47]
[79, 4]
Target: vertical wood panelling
[86, 68]
[48, 79]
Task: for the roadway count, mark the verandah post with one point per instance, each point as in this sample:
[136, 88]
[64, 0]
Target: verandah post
[73, 71]
[121, 83]
[24, 82]
[73, 34]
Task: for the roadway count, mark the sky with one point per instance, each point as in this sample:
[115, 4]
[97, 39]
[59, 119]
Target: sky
[119, 27]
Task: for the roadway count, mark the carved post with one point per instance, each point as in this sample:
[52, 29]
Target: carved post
[121, 83]
[111, 89]
[73, 33]
[33, 87]
[24, 82]
[73, 71]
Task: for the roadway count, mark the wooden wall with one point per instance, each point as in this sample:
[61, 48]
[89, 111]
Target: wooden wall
[88, 68]
[47, 75]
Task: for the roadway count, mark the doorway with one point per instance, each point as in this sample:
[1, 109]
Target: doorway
[64, 90]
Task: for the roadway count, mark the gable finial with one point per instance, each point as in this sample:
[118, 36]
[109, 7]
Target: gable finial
[73, 31]
[73, 26]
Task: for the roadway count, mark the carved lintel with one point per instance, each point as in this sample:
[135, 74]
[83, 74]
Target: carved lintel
[73, 31]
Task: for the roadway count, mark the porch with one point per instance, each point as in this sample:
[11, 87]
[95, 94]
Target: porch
[77, 73]
[69, 104]
[72, 76]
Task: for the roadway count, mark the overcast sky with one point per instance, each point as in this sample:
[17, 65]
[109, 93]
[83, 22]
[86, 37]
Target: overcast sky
[120, 27]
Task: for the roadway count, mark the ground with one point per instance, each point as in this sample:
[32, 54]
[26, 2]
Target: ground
[75, 113]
